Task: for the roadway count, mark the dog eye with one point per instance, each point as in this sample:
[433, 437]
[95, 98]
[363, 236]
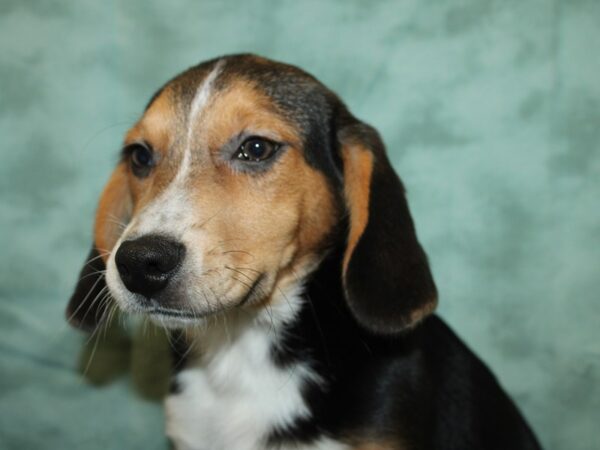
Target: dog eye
[141, 156]
[142, 159]
[256, 149]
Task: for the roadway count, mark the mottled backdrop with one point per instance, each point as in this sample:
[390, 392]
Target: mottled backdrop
[491, 114]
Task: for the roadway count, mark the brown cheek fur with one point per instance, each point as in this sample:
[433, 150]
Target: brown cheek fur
[113, 210]
[272, 222]
[379, 446]
[159, 123]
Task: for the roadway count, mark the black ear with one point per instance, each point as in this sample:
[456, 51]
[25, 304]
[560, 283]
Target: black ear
[387, 280]
[90, 302]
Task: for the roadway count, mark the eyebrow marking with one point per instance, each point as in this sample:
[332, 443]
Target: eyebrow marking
[201, 98]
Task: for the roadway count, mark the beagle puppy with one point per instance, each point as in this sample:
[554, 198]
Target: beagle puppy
[262, 223]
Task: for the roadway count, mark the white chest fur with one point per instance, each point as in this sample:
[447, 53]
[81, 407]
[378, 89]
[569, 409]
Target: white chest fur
[234, 396]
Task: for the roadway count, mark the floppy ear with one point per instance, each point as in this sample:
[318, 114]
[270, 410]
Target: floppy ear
[90, 302]
[386, 277]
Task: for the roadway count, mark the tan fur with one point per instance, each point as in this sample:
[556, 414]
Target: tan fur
[378, 443]
[242, 107]
[113, 210]
[358, 167]
[379, 446]
[419, 314]
[159, 127]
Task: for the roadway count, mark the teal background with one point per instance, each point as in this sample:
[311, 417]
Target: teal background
[491, 114]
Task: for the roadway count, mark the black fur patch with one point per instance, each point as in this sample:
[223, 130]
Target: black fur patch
[422, 388]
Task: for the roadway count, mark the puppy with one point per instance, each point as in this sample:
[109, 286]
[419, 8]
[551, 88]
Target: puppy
[256, 217]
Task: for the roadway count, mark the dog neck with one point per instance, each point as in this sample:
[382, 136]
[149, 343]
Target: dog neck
[232, 380]
[273, 376]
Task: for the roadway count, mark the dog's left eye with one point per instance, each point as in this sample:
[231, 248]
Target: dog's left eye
[142, 159]
[256, 149]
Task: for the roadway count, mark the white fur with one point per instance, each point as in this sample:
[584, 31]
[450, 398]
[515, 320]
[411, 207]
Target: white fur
[234, 395]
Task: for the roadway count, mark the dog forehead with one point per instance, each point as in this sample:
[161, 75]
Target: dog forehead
[246, 90]
[301, 99]
[159, 123]
[293, 92]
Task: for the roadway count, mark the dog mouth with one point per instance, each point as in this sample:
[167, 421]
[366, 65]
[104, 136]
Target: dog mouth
[183, 312]
[172, 318]
[175, 313]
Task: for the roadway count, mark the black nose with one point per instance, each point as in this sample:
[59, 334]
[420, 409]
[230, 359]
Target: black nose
[146, 264]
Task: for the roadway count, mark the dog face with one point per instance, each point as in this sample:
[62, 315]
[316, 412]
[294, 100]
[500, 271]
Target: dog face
[239, 177]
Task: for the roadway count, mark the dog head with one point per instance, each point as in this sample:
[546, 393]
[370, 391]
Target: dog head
[233, 186]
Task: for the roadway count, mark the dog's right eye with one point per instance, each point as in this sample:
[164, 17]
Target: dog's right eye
[256, 149]
[142, 159]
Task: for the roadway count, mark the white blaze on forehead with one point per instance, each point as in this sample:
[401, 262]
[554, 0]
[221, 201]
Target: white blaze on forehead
[203, 95]
[170, 213]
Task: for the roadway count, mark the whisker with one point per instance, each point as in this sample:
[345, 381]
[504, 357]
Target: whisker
[238, 251]
[239, 271]
[96, 299]
[121, 225]
[102, 292]
[84, 299]
[190, 346]
[117, 220]
[221, 307]
[97, 272]
[248, 268]
[97, 330]
[100, 255]
[197, 226]
[89, 362]
[168, 335]
[113, 311]
[103, 304]
[242, 282]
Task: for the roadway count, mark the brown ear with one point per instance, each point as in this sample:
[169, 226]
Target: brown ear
[90, 302]
[386, 277]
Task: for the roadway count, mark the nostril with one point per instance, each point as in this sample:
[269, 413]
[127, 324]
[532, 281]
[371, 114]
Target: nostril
[154, 267]
[123, 270]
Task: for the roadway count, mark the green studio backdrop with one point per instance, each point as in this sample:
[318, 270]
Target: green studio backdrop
[491, 114]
